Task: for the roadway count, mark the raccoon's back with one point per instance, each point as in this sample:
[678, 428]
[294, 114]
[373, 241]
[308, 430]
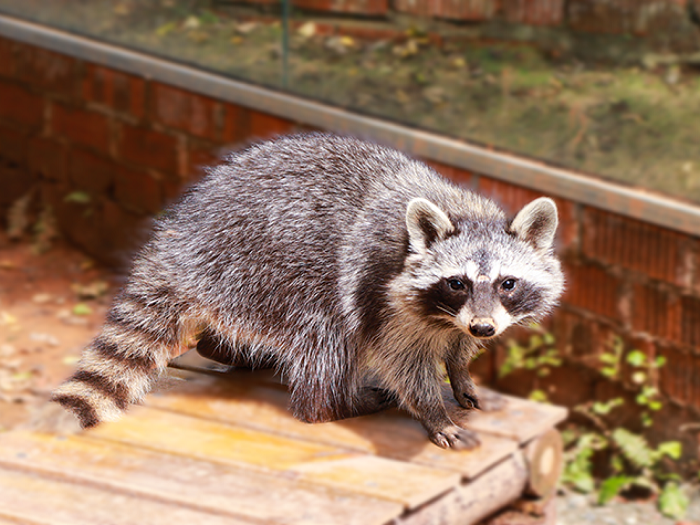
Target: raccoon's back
[266, 228]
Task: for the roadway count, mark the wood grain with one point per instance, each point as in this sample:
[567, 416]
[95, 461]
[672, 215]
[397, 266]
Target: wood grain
[201, 485]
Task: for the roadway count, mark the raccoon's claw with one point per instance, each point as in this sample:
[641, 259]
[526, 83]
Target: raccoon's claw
[455, 438]
[470, 402]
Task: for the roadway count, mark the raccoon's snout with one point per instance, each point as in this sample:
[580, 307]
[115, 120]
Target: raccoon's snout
[482, 327]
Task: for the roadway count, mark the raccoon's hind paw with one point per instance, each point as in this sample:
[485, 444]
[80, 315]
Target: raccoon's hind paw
[455, 438]
[52, 418]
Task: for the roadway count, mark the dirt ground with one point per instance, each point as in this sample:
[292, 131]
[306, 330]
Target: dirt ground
[53, 302]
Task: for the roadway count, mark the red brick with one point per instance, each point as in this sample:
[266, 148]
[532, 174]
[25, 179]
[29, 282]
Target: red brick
[91, 172]
[7, 59]
[533, 12]
[123, 231]
[264, 125]
[201, 156]
[656, 312]
[625, 16]
[46, 70]
[13, 147]
[20, 106]
[187, 111]
[593, 289]
[16, 183]
[83, 127]
[677, 375]
[457, 175]
[582, 339]
[512, 198]
[449, 9]
[120, 91]
[695, 383]
[149, 148]
[137, 191]
[47, 158]
[569, 385]
[651, 250]
[360, 7]
[690, 321]
[236, 124]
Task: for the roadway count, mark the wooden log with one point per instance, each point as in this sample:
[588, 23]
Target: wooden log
[475, 500]
[545, 460]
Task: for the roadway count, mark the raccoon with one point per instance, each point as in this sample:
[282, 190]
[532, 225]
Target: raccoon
[356, 270]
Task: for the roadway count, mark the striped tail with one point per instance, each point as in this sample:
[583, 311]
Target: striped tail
[119, 366]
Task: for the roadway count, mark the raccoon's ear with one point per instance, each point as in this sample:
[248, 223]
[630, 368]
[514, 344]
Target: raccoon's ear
[426, 223]
[537, 223]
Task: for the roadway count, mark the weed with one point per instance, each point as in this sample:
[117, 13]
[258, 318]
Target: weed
[630, 460]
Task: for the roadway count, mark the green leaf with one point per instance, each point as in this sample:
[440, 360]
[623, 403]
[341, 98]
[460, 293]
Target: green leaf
[608, 371]
[538, 395]
[608, 359]
[82, 309]
[166, 29]
[77, 196]
[611, 487]
[637, 358]
[639, 377]
[660, 361]
[672, 501]
[604, 408]
[536, 341]
[672, 449]
[634, 448]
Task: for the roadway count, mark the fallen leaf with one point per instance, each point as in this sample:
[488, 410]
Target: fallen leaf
[82, 309]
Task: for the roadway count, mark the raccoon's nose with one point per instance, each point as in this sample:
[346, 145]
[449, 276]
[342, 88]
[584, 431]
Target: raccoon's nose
[481, 327]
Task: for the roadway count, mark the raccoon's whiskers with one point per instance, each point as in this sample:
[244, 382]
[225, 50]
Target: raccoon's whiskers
[449, 311]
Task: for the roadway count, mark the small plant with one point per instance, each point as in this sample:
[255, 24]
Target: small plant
[631, 460]
[539, 355]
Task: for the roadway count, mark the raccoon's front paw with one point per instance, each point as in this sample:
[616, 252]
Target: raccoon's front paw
[455, 438]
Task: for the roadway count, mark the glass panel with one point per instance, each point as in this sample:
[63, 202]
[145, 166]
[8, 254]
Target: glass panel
[504, 79]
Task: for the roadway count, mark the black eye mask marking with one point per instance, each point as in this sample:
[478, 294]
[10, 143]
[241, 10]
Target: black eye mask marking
[521, 299]
[447, 296]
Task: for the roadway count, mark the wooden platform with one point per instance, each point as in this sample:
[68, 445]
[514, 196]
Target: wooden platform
[210, 450]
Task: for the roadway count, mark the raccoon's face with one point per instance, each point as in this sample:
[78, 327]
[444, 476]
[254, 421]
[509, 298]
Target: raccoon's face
[482, 276]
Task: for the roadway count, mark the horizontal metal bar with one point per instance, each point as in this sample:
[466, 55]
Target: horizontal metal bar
[636, 203]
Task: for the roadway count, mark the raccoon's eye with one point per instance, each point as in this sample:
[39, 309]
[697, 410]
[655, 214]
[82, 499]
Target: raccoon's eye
[455, 284]
[508, 284]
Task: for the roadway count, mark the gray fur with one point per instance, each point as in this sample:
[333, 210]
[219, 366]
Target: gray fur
[298, 251]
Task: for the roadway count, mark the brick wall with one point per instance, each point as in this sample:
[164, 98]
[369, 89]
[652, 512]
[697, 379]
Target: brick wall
[131, 144]
[606, 16]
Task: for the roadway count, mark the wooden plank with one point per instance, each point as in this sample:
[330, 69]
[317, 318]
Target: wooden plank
[520, 419]
[242, 399]
[28, 497]
[408, 484]
[195, 483]
[6, 519]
